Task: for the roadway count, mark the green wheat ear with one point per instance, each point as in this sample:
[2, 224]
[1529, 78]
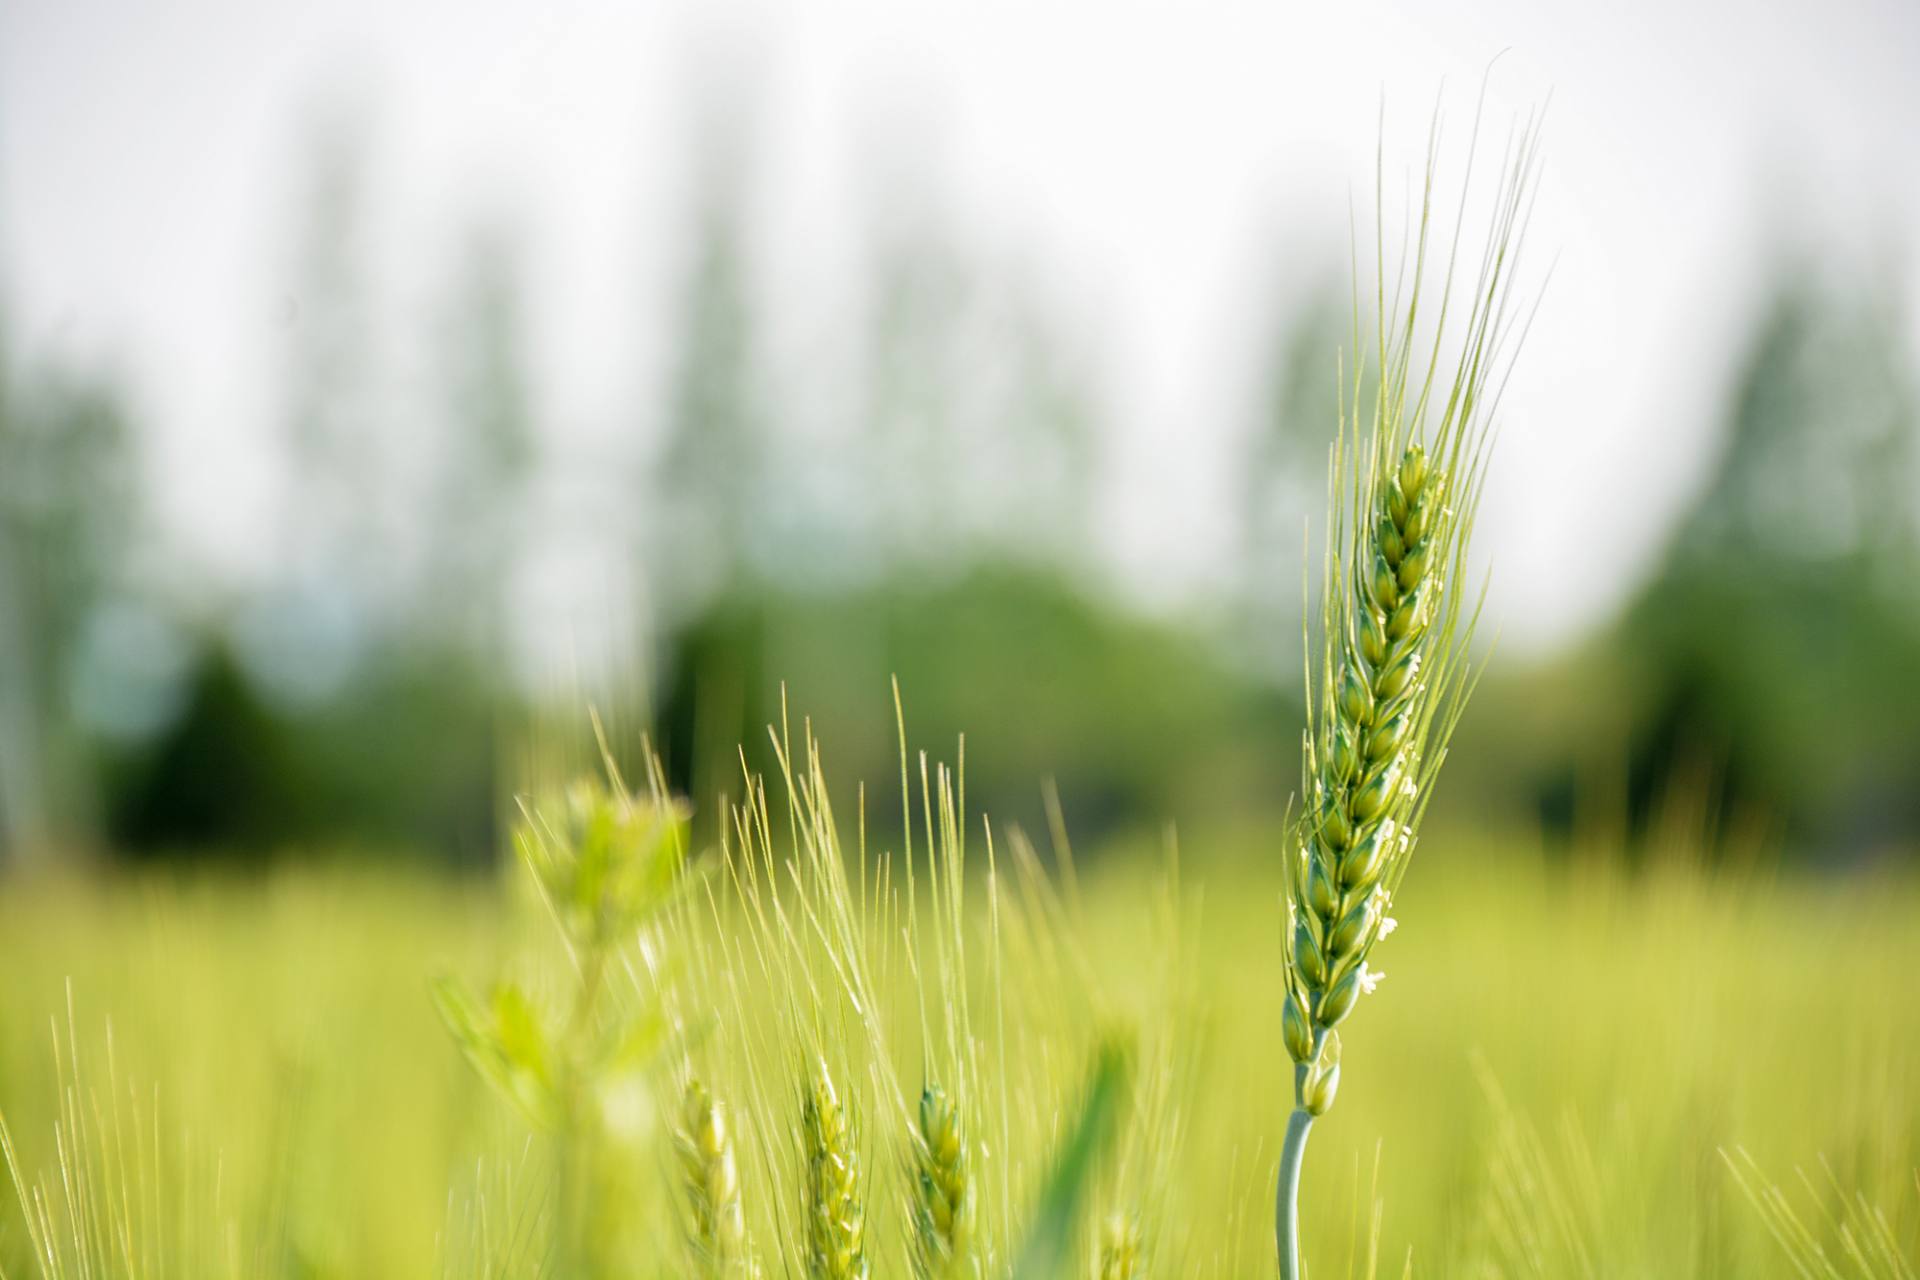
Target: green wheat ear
[943, 1188]
[835, 1228]
[1365, 773]
[1392, 673]
[712, 1179]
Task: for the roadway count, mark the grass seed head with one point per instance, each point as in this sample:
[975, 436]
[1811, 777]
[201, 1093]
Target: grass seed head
[1373, 744]
[1391, 670]
[943, 1187]
[835, 1226]
[712, 1184]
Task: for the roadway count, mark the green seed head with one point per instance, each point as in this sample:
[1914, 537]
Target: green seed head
[943, 1201]
[834, 1213]
[712, 1183]
[1392, 663]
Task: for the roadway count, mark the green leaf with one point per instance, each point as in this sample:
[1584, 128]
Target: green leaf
[505, 1044]
[1049, 1242]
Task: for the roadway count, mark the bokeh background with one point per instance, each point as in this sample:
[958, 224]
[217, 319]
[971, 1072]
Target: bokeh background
[381, 383]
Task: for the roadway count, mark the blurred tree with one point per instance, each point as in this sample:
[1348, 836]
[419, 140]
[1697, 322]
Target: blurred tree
[912, 452]
[976, 445]
[344, 561]
[331, 410]
[980, 424]
[713, 476]
[402, 761]
[357, 700]
[219, 779]
[1818, 457]
[1283, 478]
[1781, 641]
[488, 453]
[1135, 719]
[716, 472]
[67, 516]
[1040, 477]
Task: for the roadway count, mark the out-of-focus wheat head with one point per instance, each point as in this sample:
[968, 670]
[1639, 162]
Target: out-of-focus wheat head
[943, 1184]
[718, 1229]
[835, 1226]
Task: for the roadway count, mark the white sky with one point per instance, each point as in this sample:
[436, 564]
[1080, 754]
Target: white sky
[1153, 168]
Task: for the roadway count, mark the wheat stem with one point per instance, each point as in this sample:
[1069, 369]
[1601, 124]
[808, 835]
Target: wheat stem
[1286, 1209]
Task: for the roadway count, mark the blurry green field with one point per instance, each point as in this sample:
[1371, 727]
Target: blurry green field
[1544, 1085]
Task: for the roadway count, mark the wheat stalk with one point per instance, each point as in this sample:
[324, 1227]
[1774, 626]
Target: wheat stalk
[1392, 675]
[835, 1217]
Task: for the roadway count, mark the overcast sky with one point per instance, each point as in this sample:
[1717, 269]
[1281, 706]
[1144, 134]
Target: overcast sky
[1154, 170]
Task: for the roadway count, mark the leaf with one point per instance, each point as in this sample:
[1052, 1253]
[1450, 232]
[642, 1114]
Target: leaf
[637, 1044]
[505, 1044]
[1049, 1242]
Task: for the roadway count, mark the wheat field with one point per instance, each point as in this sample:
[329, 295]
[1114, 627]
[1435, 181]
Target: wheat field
[1579, 1065]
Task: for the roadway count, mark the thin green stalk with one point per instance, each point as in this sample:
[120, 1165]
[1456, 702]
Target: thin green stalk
[1286, 1207]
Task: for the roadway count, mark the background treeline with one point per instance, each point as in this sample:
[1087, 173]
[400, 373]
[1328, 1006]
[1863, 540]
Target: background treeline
[371, 689]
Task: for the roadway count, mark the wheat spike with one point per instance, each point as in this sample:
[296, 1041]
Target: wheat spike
[1392, 671]
[943, 1199]
[835, 1216]
[712, 1182]
[1364, 773]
